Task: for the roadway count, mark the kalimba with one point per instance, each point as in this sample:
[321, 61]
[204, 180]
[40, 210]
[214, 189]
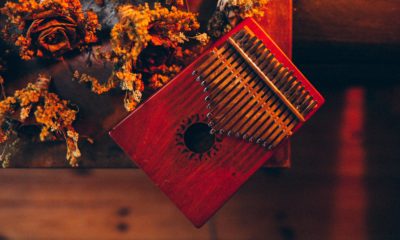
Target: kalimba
[207, 131]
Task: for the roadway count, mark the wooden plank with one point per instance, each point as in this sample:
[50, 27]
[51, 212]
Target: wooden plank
[60, 204]
[356, 21]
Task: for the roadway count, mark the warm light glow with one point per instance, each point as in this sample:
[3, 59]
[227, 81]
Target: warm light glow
[349, 211]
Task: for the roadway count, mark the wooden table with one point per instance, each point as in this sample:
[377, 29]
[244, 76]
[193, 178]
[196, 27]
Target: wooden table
[98, 114]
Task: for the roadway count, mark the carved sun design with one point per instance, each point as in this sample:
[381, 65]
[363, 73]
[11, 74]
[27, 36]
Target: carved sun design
[194, 140]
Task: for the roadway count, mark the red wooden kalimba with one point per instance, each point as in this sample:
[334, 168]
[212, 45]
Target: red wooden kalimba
[208, 130]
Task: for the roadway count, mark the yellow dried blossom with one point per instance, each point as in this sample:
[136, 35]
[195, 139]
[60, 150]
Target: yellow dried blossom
[147, 47]
[49, 111]
[96, 86]
[203, 38]
[231, 12]
[73, 152]
[25, 111]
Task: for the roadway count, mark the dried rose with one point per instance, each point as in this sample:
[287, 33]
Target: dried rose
[51, 34]
[50, 28]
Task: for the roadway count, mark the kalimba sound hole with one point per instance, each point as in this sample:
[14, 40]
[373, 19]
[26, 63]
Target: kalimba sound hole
[198, 139]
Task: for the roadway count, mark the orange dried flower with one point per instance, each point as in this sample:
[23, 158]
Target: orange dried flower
[49, 111]
[147, 47]
[231, 12]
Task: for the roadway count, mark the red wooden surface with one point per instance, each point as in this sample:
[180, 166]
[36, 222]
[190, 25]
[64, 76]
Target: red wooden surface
[198, 186]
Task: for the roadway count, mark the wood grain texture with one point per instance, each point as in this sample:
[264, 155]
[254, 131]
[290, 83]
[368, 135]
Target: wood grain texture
[197, 185]
[58, 204]
[356, 21]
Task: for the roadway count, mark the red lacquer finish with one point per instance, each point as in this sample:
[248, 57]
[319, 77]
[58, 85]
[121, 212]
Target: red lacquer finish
[152, 136]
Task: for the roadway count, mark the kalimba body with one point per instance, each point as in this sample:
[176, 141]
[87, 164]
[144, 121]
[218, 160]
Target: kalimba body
[208, 130]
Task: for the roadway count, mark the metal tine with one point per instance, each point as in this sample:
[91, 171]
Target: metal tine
[275, 70]
[224, 115]
[255, 44]
[213, 55]
[279, 74]
[222, 95]
[283, 117]
[240, 114]
[242, 101]
[237, 62]
[257, 116]
[238, 56]
[239, 34]
[218, 61]
[288, 92]
[273, 64]
[245, 126]
[292, 83]
[304, 101]
[263, 133]
[251, 46]
[214, 129]
[246, 40]
[267, 91]
[253, 111]
[295, 93]
[275, 142]
[303, 94]
[289, 81]
[280, 129]
[220, 92]
[256, 132]
[240, 118]
[288, 74]
[220, 50]
[214, 77]
[259, 86]
[271, 106]
[277, 109]
[290, 122]
[262, 98]
[222, 68]
[240, 73]
[236, 89]
[307, 102]
[235, 58]
[285, 80]
[310, 107]
[251, 75]
[214, 88]
[270, 96]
